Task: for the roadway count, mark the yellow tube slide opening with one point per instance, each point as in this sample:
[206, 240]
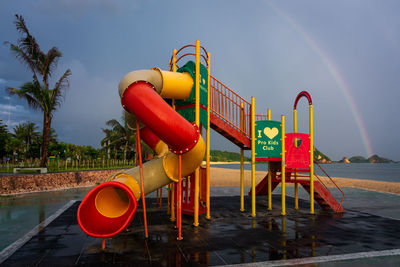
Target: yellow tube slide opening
[112, 202]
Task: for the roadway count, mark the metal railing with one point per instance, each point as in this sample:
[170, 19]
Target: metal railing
[259, 117]
[333, 182]
[226, 104]
[306, 177]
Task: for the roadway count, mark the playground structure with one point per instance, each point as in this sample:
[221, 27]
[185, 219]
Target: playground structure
[168, 110]
[291, 160]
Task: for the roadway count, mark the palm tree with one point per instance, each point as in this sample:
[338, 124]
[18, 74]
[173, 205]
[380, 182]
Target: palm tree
[37, 92]
[27, 134]
[5, 139]
[106, 141]
[120, 136]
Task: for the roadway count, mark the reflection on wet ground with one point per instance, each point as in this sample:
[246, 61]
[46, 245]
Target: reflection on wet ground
[230, 237]
[20, 213]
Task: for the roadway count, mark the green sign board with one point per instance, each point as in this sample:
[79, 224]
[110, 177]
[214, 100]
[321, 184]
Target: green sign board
[268, 139]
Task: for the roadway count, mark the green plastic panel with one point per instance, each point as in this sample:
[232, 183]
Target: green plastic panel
[189, 112]
[268, 142]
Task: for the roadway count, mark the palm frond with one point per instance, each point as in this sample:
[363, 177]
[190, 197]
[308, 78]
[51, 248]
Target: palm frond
[27, 43]
[30, 91]
[23, 58]
[51, 60]
[57, 96]
[114, 124]
[107, 132]
[20, 24]
[12, 91]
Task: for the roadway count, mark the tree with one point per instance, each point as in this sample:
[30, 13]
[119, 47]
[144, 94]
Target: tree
[37, 92]
[26, 133]
[5, 139]
[120, 136]
[106, 142]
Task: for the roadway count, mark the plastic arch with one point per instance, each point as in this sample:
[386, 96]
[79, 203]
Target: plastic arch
[300, 95]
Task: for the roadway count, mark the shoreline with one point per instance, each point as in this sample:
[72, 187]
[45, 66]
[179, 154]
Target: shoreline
[224, 177]
[231, 178]
[203, 164]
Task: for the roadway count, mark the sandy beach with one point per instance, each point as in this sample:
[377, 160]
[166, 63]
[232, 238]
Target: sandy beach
[221, 177]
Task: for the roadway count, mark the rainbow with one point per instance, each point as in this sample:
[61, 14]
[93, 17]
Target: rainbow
[329, 63]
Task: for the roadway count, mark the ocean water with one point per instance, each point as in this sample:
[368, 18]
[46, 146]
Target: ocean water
[389, 172]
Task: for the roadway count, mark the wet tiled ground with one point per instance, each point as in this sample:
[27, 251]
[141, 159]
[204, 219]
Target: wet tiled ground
[230, 237]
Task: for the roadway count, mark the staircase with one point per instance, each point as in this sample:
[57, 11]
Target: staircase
[323, 197]
[229, 114]
[262, 187]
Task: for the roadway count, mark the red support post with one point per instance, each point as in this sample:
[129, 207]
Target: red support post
[141, 178]
[179, 198]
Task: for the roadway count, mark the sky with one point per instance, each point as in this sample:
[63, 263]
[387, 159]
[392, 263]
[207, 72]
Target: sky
[345, 53]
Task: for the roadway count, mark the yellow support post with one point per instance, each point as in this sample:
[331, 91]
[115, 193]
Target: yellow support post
[253, 160]
[197, 121]
[269, 174]
[208, 141]
[174, 70]
[174, 60]
[283, 167]
[311, 161]
[242, 160]
[173, 218]
[296, 185]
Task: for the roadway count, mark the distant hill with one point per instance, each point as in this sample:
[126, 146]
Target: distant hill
[377, 159]
[216, 155]
[358, 159]
[321, 157]
[372, 159]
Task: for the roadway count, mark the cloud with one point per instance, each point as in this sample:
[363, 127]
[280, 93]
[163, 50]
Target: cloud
[89, 102]
[13, 115]
[14, 111]
[78, 8]
[12, 108]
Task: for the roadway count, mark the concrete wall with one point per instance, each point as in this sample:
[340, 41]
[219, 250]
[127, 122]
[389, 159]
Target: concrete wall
[24, 183]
